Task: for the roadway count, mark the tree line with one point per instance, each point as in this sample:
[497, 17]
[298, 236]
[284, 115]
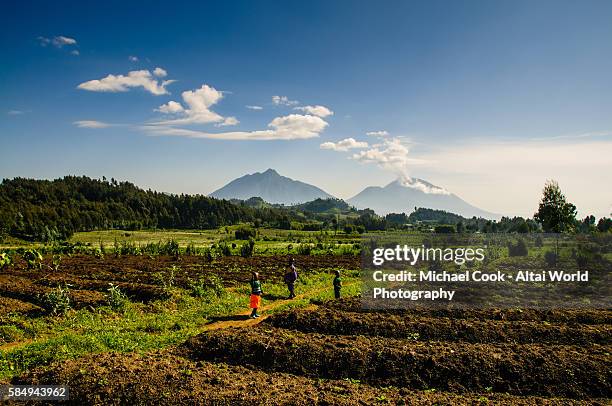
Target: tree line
[49, 210]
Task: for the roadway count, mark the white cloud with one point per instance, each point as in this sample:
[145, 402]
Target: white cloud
[171, 107]
[160, 73]
[283, 101]
[60, 41]
[91, 124]
[291, 127]
[75, 52]
[254, 107]
[381, 133]
[344, 145]
[228, 121]
[198, 110]
[121, 83]
[391, 155]
[133, 58]
[15, 112]
[320, 111]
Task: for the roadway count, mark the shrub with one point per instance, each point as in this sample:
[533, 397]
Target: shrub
[246, 250]
[444, 229]
[551, 258]
[519, 249]
[244, 233]
[116, 299]
[57, 301]
[33, 258]
[5, 260]
[304, 249]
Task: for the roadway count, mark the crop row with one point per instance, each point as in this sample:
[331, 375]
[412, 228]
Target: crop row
[327, 321]
[528, 369]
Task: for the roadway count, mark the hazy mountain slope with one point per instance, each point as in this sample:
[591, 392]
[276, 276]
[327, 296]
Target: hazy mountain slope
[396, 197]
[271, 187]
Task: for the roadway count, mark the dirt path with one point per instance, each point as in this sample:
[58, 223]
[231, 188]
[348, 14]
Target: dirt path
[242, 319]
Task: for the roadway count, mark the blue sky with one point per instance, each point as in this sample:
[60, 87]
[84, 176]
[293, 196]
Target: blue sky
[487, 99]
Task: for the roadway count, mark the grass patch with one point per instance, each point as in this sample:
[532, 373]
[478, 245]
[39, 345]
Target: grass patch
[138, 327]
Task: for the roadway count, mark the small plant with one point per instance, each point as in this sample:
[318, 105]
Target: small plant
[56, 262]
[116, 299]
[5, 260]
[167, 277]
[33, 258]
[57, 301]
[202, 287]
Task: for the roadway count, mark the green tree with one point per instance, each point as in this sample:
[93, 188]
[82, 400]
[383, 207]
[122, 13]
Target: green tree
[555, 213]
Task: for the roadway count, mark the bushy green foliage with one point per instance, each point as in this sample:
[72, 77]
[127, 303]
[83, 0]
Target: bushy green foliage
[555, 213]
[519, 249]
[205, 286]
[5, 260]
[166, 278]
[444, 229]
[304, 249]
[33, 258]
[246, 249]
[56, 301]
[115, 298]
[244, 233]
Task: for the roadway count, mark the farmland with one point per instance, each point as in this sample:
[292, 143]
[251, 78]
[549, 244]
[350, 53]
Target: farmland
[150, 317]
[324, 355]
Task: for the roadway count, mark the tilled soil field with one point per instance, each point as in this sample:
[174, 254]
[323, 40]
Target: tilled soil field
[582, 316]
[163, 378]
[528, 369]
[139, 276]
[335, 353]
[427, 328]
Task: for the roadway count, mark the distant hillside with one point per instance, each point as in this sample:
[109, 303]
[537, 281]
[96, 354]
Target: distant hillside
[46, 210]
[326, 206]
[437, 216]
[403, 197]
[271, 187]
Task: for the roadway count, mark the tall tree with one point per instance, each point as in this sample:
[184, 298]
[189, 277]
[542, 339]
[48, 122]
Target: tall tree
[555, 213]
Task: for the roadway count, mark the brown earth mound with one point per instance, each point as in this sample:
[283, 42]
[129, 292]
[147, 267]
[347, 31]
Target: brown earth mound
[528, 369]
[582, 316]
[328, 321]
[161, 378]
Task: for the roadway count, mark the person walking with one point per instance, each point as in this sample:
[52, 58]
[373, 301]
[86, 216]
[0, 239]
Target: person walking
[337, 285]
[290, 278]
[256, 293]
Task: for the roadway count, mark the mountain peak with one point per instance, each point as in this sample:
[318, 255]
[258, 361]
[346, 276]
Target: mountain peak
[270, 171]
[271, 187]
[405, 193]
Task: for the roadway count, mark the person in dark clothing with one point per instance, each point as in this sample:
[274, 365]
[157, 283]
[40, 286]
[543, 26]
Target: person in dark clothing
[337, 285]
[290, 278]
[256, 293]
